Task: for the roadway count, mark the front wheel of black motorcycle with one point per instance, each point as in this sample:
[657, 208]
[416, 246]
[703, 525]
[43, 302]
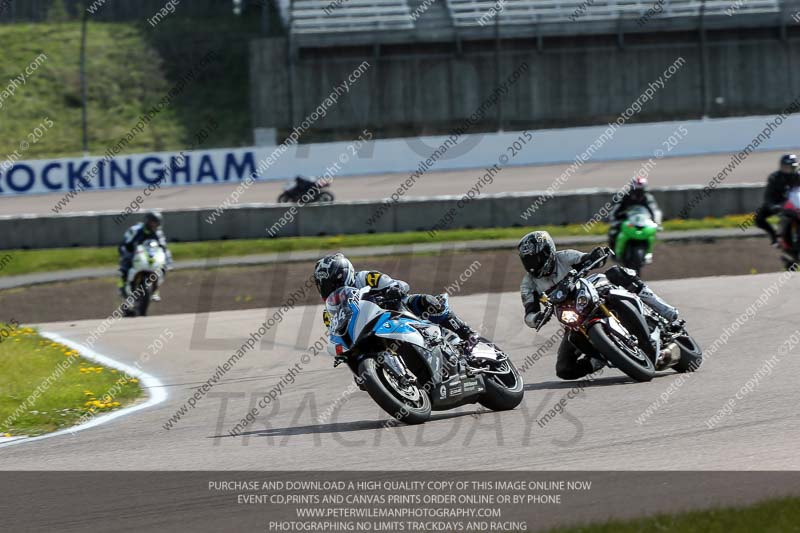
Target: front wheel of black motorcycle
[633, 362]
[408, 404]
[691, 354]
[504, 390]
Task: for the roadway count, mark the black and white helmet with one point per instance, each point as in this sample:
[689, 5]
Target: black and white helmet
[332, 272]
[538, 253]
[155, 217]
[789, 161]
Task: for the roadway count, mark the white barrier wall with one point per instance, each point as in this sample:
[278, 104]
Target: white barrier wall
[419, 214]
[394, 155]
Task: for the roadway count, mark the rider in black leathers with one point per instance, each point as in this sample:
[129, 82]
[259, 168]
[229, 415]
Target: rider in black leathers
[778, 184]
[150, 228]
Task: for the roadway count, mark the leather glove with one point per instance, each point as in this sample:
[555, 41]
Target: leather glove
[393, 293]
[599, 253]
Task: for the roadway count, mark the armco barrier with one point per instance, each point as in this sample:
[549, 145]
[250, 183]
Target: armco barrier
[252, 220]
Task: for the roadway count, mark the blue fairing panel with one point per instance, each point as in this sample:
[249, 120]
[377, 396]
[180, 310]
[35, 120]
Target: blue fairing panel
[400, 329]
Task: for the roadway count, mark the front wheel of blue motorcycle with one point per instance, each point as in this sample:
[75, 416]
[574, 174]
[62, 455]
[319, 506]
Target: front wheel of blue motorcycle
[406, 402]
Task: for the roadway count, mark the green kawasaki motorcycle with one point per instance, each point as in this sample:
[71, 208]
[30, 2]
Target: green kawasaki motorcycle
[636, 239]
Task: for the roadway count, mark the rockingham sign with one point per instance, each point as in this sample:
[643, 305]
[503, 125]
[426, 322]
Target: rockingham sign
[122, 172]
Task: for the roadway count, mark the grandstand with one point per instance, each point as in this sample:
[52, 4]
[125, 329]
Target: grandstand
[320, 22]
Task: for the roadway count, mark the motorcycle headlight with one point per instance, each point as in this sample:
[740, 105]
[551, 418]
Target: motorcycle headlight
[582, 301]
[568, 316]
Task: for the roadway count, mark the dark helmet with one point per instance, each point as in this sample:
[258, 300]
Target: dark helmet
[333, 272]
[154, 216]
[538, 253]
[789, 160]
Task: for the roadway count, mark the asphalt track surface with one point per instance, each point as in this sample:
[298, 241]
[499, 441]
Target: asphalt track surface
[693, 170]
[598, 431]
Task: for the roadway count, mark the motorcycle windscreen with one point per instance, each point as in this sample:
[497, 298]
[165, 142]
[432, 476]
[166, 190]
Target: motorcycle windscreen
[341, 306]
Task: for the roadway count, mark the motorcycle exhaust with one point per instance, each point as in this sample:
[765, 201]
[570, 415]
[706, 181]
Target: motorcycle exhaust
[669, 356]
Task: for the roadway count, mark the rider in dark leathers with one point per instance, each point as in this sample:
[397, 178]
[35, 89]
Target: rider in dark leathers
[545, 268]
[637, 194]
[335, 271]
[150, 228]
[778, 184]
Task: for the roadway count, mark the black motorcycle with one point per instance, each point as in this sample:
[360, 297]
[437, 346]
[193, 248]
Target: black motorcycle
[606, 321]
[301, 190]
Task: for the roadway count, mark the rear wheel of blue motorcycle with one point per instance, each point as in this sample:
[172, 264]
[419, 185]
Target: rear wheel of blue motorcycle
[410, 405]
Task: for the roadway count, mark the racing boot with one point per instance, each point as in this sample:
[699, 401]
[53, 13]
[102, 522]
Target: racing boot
[121, 288]
[465, 333]
[156, 297]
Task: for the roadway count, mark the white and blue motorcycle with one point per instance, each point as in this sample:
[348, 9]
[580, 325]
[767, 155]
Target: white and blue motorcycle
[411, 366]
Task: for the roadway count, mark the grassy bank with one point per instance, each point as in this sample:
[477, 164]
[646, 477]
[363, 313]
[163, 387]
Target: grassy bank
[45, 386]
[778, 516]
[14, 262]
[129, 69]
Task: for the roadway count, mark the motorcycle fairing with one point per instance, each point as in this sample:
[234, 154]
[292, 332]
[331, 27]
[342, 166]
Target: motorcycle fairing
[400, 328]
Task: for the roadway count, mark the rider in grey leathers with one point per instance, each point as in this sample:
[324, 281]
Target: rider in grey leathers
[545, 268]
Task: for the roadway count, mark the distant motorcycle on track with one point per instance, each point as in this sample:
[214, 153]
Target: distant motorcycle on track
[144, 277]
[601, 318]
[306, 191]
[410, 366]
[636, 239]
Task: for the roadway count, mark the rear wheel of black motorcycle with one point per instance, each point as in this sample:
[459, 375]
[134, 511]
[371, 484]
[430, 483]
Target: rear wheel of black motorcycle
[637, 366]
[503, 391]
[384, 390]
[634, 322]
[691, 354]
[325, 196]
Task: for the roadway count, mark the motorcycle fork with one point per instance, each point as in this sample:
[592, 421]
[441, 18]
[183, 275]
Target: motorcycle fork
[605, 311]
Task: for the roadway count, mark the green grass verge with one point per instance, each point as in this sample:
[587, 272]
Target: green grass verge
[45, 386]
[777, 516]
[14, 262]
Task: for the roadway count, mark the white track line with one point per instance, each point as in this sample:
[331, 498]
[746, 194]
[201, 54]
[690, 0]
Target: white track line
[154, 387]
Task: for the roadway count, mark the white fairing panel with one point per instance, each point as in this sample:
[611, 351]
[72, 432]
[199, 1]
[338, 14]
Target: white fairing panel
[484, 351]
[367, 311]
